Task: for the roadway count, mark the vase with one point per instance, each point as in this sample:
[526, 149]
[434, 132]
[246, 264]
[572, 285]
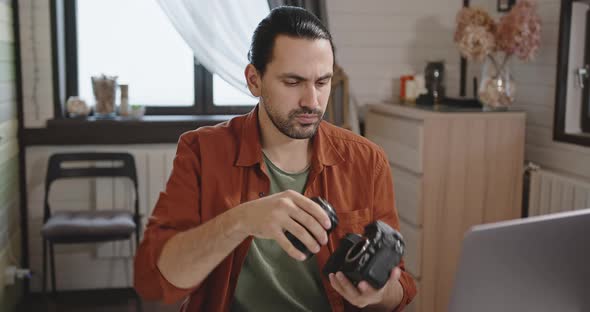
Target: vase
[497, 87]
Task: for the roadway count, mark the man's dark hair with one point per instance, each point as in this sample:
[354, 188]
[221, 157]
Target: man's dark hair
[285, 20]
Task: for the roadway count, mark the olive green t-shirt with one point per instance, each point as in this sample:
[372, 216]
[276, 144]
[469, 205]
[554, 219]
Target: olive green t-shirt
[270, 279]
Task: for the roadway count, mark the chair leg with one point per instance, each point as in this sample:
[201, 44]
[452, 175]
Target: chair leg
[131, 249]
[44, 286]
[137, 231]
[52, 260]
[138, 302]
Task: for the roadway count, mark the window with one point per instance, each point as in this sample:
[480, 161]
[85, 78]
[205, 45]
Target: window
[583, 74]
[572, 101]
[134, 40]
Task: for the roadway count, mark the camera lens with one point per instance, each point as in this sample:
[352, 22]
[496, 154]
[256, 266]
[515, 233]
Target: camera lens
[333, 222]
[357, 250]
[326, 207]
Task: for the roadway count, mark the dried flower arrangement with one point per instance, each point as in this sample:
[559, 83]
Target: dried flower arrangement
[478, 36]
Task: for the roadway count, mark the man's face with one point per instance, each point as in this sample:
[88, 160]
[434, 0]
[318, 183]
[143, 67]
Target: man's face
[296, 85]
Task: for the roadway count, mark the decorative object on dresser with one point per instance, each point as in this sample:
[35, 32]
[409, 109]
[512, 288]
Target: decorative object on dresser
[412, 87]
[403, 82]
[451, 170]
[480, 38]
[434, 74]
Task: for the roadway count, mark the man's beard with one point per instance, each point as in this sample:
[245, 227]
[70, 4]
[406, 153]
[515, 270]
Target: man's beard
[289, 125]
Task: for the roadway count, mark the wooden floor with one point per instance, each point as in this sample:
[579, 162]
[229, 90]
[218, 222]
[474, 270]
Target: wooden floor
[118, 300]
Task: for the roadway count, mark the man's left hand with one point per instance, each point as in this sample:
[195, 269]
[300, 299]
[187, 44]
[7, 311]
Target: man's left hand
[363, 295]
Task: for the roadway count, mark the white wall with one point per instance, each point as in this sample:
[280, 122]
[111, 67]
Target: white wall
[378, 41]
[34, 16]
[10, 230]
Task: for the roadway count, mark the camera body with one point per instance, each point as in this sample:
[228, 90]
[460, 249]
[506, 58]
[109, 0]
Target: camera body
[333, 221]
[370, 257]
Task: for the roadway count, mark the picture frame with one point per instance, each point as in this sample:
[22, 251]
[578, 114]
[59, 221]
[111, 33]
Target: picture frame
[505, 5]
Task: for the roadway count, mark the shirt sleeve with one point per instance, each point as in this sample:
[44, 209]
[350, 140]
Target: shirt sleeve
[385, 210]
[177, 210]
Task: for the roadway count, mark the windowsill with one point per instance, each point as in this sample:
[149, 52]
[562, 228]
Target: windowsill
[130, 121]
[149, 129]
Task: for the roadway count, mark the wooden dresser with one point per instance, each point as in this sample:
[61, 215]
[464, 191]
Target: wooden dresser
[451, 170]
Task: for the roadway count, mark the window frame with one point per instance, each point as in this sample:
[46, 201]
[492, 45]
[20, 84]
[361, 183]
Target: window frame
[585, 115]
[203, 79]
[559, 133]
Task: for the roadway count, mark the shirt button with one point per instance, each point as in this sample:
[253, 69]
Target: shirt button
[261, 194]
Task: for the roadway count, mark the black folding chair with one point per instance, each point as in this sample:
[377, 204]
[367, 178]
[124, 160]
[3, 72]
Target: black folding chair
[87, 226]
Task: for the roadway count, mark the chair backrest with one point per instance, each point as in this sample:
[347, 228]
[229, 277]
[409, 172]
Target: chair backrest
[56, 170]
[338, 102]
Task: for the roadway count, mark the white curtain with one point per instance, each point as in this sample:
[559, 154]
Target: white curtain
[219, 32]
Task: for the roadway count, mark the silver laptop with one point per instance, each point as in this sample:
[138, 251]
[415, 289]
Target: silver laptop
[534, 264]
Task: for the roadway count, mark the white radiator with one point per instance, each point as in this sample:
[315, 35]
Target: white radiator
[153, 169]
[551, 192]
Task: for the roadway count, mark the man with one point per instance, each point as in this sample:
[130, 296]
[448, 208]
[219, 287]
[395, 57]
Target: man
[217, 233]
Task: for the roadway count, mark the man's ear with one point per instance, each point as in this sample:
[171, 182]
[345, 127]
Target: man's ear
[253, 79]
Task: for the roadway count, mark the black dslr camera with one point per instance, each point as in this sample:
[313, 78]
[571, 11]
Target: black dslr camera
[369, 258]
[333, 221]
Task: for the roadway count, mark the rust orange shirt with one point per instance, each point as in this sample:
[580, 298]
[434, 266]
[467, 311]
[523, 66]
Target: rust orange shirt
[216, 168]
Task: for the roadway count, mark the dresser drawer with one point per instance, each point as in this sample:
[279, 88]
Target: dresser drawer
[401, 138]
[413, 253]
[408, 195]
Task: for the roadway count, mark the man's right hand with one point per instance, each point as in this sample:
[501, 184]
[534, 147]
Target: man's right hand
[271, 216]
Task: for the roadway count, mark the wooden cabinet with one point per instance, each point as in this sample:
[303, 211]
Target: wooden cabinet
[451, 170]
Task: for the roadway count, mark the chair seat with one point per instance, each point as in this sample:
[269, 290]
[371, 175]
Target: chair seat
[88, 226]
